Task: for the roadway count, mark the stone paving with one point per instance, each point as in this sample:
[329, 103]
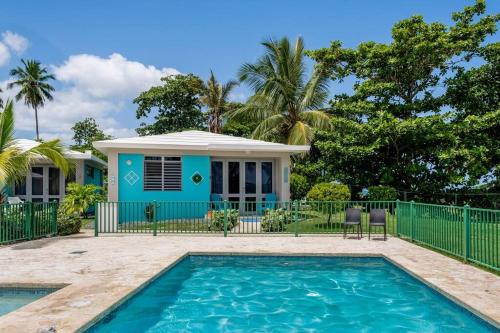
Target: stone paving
[113, 266]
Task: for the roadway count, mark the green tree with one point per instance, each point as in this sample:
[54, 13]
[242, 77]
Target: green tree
[32, 79]
[214, 96]
[234, 127]
[286, 106]
[15, 162]
[84, 133]
[1, 100]
[177, 103]
[393, 129]
[474, 96]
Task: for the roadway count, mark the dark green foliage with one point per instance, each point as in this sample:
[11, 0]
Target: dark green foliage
[299, 186]
[68, 222]
[329, 192]
[84, 133]
[382, 193]
[397, 128]
[177, 103]
[217, 222]
[275, 220]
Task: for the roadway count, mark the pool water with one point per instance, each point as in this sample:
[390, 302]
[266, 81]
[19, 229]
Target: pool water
[288, 294]
[13, 298]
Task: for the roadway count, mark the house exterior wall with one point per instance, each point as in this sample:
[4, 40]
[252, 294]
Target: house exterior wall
[117, 169]
[88, 178]
[133, 188]
[80, 178]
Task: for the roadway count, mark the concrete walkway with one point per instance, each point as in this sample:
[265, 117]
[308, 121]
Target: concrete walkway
[111, 267]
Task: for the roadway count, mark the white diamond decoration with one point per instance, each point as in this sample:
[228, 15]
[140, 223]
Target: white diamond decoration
[131, 177]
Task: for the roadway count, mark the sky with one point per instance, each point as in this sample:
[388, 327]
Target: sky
[104, 53]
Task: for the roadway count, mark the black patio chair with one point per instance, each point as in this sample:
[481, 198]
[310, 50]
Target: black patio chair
[377, 219]
[353, 218]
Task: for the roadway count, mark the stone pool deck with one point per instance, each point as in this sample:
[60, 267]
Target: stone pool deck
[113, 266]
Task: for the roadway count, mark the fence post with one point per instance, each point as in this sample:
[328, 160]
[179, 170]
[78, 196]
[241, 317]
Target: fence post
[466, 218]
[155, 226]
[398, 218]
[296, 203]
[225, 218]
[29, 220]
[96, 220]
[412, 219]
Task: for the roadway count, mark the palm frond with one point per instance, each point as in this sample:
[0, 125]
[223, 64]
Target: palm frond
[317, 119]
[6, 126]
[300, 134]
[54, 151]
[269, 128]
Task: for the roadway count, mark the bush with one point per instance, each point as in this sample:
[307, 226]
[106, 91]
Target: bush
[382, 193]
[218, 219]
[68, 222]
[329, 192]
[275, 220]
[79, 198]
[298, 186]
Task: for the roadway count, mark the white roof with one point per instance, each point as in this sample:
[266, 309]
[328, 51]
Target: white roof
[198, 140]
[25, 144]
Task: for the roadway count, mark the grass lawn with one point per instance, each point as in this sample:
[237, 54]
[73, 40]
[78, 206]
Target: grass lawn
[319, 222]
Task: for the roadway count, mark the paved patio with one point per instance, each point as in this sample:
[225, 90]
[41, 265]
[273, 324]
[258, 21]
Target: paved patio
[113, 266]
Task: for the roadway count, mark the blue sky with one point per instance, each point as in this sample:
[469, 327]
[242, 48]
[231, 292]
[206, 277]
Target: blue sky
[151, 38]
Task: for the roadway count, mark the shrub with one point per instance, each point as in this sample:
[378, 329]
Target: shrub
[68, 222]
[218, 219]
[382, 193]
[298, 186]
[329, 192]
[275, 220]
[79, 198]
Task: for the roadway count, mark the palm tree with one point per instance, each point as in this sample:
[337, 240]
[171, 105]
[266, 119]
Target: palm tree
[16, 162]
[1, 100]
[32, 79]
[287, 107]
[215, 96]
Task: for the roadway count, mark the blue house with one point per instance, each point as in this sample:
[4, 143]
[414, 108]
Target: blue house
[45, 182]
[197, 166]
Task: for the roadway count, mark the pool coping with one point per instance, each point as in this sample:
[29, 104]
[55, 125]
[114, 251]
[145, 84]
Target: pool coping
[421, 279]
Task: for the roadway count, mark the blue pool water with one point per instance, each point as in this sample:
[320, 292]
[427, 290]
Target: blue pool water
[13, 298]
[288, 294]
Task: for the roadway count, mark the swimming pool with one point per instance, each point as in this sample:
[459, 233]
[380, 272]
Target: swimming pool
[287, 294]
[13, 298]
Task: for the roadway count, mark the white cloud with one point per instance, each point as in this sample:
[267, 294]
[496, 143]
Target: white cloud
[109, 77]
[4, 54]
[91, 86]
[15, 41]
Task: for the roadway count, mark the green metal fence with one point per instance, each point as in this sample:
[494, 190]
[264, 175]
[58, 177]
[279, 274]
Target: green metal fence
[470, 233]
[296, 217]
[26, 221]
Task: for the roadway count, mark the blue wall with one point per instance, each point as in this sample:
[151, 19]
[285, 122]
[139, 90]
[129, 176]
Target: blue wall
[134, 191]
[96, 180]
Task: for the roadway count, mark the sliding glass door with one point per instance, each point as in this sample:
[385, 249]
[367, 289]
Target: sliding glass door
[244, 181]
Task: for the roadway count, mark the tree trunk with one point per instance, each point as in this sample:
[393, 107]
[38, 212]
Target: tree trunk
[36, 124]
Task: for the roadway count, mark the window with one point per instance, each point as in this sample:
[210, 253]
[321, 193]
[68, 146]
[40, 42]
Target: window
[162, 173]
[234, 177]
[20, 188]
[54, 181]
[267, 177]
[217, 177]
[90, 171]
[37, 181]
